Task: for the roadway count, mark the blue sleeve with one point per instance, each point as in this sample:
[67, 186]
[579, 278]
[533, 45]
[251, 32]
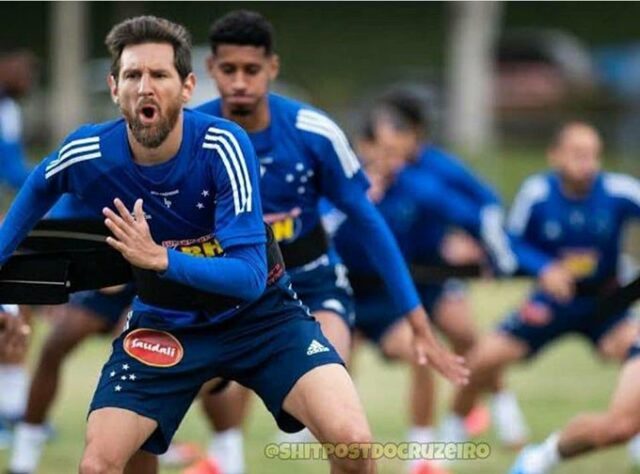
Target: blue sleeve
[625, 190]
[483, 221]
[342, 181]
[241, 272]
[13, 167]
[459, 176]
[381, 249]
[34, 199]
[521, 224]
[235, 172]
[434, 198]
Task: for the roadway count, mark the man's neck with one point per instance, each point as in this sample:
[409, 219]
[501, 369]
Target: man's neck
[256, 121]
[572, 191]
[155, 156]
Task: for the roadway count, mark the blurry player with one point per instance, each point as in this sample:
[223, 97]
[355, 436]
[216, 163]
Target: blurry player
[303, 155]
[421, 206]
[567, 226]
[88, 313]
[17, 74]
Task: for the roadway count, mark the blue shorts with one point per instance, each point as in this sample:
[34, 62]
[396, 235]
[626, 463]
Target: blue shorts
[376, 313]
[157, 369]
[325, 287]
[634, 350]
[106, 306]
[540, 321]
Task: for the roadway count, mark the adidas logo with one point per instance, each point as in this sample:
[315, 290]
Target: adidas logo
[315, 347]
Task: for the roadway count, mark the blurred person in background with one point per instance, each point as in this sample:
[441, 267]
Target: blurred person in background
[566, 225]
[423, 192]
[18, 70]
[303, 155]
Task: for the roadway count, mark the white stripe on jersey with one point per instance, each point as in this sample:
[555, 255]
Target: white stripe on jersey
[238, 207]
[75, 147]
[622, 185]
[315, 122]
[533, 190]
[237, 157]
[66, 164]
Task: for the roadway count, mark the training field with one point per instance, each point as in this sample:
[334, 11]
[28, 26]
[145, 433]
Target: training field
[565, 379]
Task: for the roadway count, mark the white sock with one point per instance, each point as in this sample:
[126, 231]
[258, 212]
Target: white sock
[634, 450]
[28, 442]
[303, 436]
[14, 381]
[542, 458]
[227, 448]
[508, 418]
[422, 435]
[452, 429]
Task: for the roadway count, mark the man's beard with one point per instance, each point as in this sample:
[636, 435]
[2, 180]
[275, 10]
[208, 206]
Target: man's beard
[152, 136]
[242, 110]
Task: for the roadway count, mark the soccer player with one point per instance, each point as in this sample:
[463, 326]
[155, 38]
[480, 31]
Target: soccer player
[17, 71]
[177, 189]
[411, 197]
[303, 155]
[567, 225]
[89, 313]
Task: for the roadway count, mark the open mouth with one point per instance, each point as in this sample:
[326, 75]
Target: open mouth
[148, 113]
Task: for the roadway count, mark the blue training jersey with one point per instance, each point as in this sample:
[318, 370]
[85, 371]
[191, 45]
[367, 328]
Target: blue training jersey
[13, 165]
[202, 202]
[303, 156]
[420, 208]
[585, 234]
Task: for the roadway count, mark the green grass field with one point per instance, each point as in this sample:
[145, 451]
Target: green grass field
[566, 379]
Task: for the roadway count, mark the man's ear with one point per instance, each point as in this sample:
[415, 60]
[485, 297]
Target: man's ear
[274, 67]
[210, 64]
[188, 85]
[113, 88]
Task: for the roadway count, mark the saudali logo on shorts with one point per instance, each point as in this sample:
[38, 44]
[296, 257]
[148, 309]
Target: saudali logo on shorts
[205, 246]
[154, 348]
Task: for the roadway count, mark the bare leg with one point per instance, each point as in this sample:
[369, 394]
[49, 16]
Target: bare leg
[486, 360]
[618, 424]
[113, 437]
[71, 328]
[396, 344]
[142, 463]
[325, 400]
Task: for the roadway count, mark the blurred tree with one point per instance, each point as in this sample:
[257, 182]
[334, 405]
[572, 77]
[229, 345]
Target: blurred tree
[473, 33]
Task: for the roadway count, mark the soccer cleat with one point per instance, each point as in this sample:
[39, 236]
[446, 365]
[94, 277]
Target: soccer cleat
[181, 454]
[427, 467]
[204, 466]
[478, 420]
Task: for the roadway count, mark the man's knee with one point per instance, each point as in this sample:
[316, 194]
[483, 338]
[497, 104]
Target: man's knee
[97, 463]
[353, 456]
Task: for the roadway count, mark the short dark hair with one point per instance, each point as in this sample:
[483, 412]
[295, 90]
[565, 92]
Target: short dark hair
[408, 106]
[150, 29]
[400, 109]
[242, 28]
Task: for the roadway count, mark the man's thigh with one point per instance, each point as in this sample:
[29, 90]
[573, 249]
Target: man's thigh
[326, 401]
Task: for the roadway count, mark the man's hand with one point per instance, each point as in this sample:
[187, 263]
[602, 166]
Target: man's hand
[132, 237]
[14, 333]
[558, 282]
[429, 351]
